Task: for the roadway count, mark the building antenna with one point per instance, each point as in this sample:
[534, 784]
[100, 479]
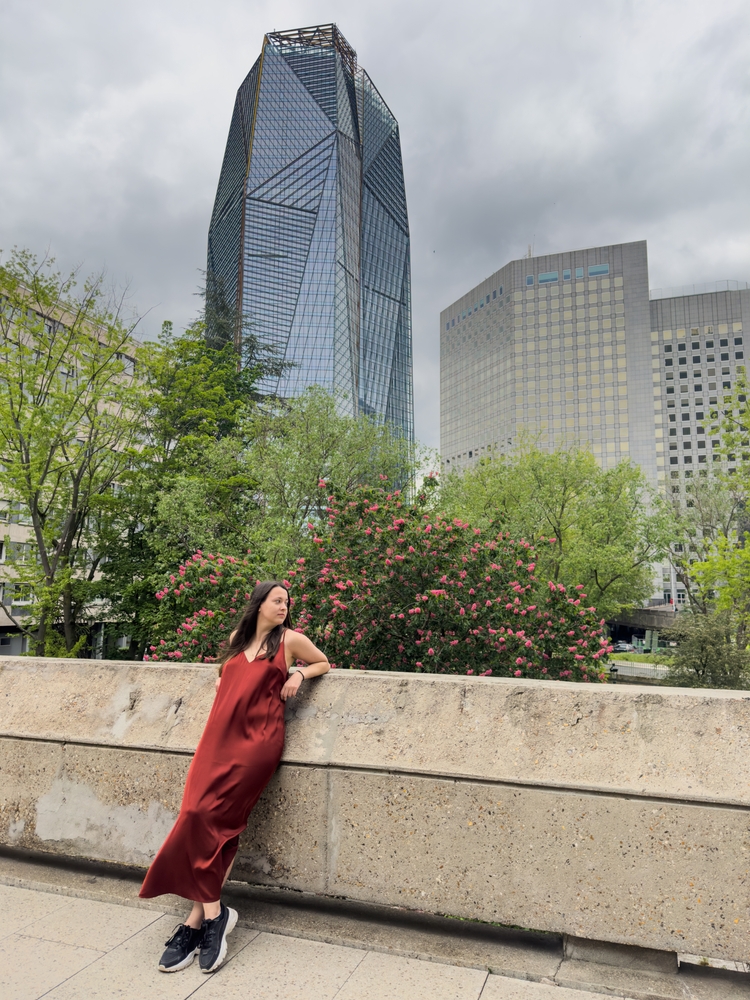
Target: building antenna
[531, 246]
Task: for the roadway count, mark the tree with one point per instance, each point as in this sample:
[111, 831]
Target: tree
[704, 528]
[606, 526]
[67, 430]
[222, 472]
[707, 654]
[292, 447]
[400, 589]
[190, 483]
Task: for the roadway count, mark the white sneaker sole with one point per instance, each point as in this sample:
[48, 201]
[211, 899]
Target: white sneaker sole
[188, 960]
[231, 924]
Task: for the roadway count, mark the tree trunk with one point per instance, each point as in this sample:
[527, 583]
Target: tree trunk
[67, 598]
[41, 636]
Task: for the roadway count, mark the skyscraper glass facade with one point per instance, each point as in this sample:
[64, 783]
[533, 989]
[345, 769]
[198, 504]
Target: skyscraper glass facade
[309, 237]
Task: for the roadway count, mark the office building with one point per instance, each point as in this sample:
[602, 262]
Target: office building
[573, 347]
[309, 237]
[698, 352]
[555, 347]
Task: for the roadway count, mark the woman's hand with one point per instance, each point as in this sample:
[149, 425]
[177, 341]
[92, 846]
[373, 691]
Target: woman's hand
[292, 685]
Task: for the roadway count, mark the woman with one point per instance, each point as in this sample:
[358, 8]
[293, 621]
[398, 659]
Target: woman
[238, 752]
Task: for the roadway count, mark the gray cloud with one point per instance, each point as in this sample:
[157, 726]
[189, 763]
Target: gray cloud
[565, 125]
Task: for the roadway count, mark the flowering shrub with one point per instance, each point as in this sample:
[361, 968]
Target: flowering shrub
[199, 607]
[396, 588]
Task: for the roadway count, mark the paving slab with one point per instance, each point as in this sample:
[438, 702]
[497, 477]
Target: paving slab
[389, 977]
[25, 974]
[129, 972]
[101, 926]
[274, 967]
[21, 907]
[505, 988]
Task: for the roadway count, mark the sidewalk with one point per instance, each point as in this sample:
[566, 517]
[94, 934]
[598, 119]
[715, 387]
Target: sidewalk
[67, 948]
[72, 934]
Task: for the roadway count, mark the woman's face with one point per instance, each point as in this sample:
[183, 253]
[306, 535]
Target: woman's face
[274, 609]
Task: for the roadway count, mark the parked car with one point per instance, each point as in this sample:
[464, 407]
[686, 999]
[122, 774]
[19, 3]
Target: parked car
[623, 647]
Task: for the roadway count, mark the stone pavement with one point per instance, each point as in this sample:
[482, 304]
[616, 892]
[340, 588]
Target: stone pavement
[67, 948]
[79, 932]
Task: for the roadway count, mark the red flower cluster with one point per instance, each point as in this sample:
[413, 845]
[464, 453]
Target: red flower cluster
[397, 588]
[401, 589]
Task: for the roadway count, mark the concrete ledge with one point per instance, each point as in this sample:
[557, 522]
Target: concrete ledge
[606, 814]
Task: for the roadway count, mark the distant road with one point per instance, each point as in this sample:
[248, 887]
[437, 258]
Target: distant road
[657, 671]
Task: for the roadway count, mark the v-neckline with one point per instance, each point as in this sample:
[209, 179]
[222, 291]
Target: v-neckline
[269, 658]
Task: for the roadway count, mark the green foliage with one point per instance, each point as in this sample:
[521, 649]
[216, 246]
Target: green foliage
[707, 654]
[396, 588]
[235, 476]
[606, 526]
[67, 429]
[189, 485]
[292, 448]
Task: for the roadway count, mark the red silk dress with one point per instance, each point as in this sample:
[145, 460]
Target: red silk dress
[237, 754]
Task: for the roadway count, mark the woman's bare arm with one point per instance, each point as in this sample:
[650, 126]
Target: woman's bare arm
[299, 647]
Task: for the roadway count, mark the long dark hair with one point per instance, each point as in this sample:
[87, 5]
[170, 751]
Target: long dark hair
[248, 625]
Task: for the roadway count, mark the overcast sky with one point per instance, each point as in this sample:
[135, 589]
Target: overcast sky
[562, 124]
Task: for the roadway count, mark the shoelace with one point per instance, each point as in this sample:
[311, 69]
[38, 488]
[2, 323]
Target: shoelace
[180, 935]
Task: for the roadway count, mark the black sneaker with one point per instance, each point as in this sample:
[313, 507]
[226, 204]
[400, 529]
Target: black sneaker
[182, 948]
[214, 944]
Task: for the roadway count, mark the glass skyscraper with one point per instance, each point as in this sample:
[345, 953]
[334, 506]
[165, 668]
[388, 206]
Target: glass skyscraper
[309, 237]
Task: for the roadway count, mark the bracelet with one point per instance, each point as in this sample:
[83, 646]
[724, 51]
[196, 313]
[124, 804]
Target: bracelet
[303, 676]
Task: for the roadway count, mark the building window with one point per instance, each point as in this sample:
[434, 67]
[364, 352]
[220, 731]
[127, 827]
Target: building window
[737, 340]
[566, 275]
[529, 279]
[494, 293]
[709, 343]
[723, 342]
[667, 348]
[579, 272]
[447, 326]
[739, 355]
[547, 277]
[597, 269]
[725, 357]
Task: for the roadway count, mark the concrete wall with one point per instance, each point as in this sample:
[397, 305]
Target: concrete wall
[609, 813]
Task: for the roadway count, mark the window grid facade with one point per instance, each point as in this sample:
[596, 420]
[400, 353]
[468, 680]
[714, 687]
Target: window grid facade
[698, 352]
[541, 349]
[309, 237]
